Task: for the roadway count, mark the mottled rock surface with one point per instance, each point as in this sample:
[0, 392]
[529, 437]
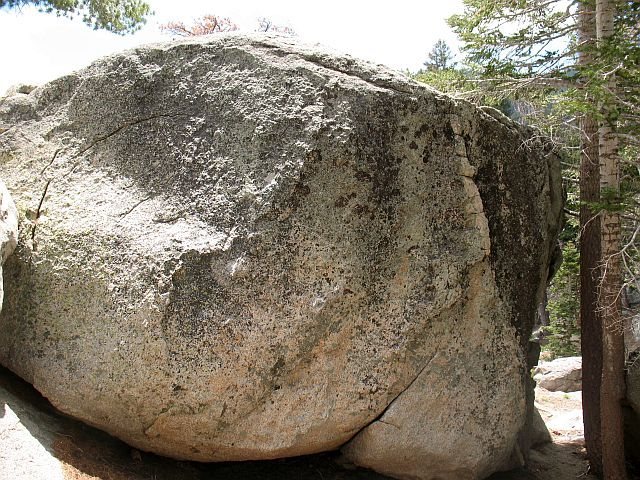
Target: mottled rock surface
[8, 230]
[243, 248]
[560, 375]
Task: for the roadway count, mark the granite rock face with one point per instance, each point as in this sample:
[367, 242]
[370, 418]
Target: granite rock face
[8, 230]
[633, 388]
[243, 248]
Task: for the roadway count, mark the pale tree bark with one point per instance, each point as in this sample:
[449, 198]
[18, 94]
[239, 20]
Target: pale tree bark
[590, 322]
[612, 385]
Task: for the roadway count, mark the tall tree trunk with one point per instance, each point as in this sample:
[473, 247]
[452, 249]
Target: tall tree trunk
[590, 323]
[612, 385]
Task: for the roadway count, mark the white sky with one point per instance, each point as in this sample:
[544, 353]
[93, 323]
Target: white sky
[37, 47]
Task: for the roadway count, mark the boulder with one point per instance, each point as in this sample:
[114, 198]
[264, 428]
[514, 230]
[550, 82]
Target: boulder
[631, 332]
[245, 248]
[562, 374]
[8, 230]
[633, 386]
[632, 378]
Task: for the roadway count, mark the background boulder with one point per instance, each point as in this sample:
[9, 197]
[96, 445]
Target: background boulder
[243, 248]
[8, 230]
[562, 374]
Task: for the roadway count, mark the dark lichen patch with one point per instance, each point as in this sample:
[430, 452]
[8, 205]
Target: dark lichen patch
[426, 154]
[362, 176]
[423, 130]
[361, 210]
[301, 189]
[448, 133]
[454, 218]
[314, 156]
[343, 200]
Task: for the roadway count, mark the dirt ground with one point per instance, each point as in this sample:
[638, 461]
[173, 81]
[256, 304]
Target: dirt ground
[565, 458]
[63, 449]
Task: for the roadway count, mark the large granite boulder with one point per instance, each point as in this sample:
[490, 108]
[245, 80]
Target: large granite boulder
[243, 248]
[8, 230]
[560, 375]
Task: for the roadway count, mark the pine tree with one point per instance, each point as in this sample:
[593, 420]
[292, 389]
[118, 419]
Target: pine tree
[590, 321]
[612, 385]
[118, 16]
[440, 57]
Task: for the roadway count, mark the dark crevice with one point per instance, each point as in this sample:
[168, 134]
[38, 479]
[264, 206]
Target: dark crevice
[136, 205]
[169, 219]
[37, 215]
[53, 159]
[379, 83]
[389, 423]
[321, 62]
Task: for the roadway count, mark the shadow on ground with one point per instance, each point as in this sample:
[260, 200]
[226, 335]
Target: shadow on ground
[551, 461]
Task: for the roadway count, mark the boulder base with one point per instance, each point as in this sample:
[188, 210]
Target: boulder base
[243, 248]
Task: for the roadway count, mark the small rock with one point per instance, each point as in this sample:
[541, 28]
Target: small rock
[20, 88]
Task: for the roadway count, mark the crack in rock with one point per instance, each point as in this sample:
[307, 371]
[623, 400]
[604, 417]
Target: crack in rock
[53, 159]
[136, 205]
[37, 214]
[379, 417]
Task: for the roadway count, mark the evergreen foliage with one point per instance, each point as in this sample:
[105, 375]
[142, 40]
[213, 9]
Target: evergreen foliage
[440, 57]
[118, 16]
[562, 333]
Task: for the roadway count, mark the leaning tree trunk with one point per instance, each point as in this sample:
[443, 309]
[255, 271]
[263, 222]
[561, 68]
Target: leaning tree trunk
[590, 323]
[612, 385]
